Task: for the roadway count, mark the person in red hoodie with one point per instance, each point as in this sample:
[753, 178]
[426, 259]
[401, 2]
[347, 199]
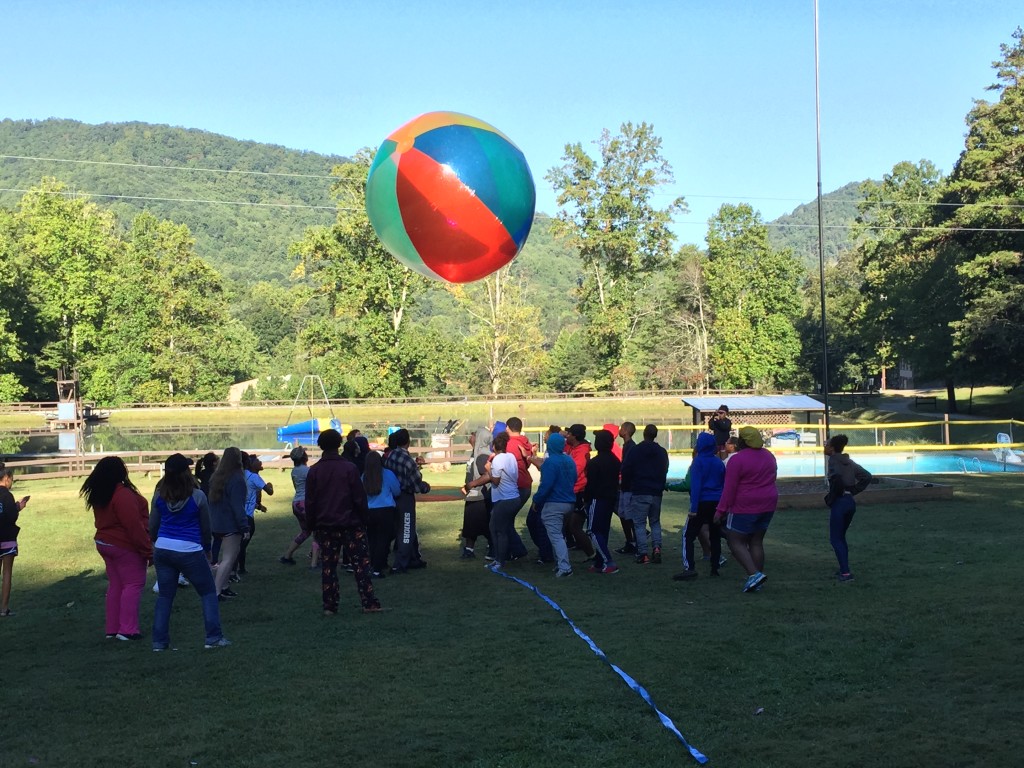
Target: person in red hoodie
[122, 540]
[579, 452]
[523, 451]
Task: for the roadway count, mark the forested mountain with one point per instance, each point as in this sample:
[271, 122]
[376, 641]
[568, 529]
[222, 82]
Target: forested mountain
[799, 230]
[244, 202]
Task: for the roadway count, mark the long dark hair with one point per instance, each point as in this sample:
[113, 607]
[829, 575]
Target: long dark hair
[98, 488]
[373, 474]
[176, 486]
[230, 463]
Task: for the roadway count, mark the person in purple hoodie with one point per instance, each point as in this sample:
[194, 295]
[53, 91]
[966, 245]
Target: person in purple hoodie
[707, 476]
[749, 499]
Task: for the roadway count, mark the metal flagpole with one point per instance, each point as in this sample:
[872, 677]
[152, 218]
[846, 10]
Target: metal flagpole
[821, 226]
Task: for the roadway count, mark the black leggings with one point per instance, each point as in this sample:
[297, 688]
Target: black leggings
[380, 530]
[240, 564]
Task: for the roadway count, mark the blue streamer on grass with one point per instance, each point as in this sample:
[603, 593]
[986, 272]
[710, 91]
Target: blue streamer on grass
[666, 721]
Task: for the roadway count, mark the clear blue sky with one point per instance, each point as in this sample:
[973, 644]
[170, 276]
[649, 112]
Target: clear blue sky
[727, 84]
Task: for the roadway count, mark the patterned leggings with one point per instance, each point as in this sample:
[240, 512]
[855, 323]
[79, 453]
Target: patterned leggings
[353, 541]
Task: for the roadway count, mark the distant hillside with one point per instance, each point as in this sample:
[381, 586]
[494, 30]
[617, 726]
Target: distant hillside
[245, 233]
[799, 230]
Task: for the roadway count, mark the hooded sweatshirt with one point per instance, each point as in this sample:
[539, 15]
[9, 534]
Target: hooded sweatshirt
[475, 465]
[182, 526]
[845, 475]
[749, 487]
[520, 447]
[557, 475]
[707, 472]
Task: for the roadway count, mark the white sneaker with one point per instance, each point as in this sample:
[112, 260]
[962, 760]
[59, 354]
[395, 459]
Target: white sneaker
[222, 643]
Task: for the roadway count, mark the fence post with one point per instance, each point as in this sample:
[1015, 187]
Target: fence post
[945, 427]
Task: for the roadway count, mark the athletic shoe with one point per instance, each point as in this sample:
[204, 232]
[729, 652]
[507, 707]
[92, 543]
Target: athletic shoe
[286, 560]
[494, 565]
[222, 643]
[844, 577]
[685, 576]
[643, 560]
[656, 557]
[595, 569]
[182, 581]
[228, 592]
[722, 560]
[609, 569]
[416, 564]
[562, 574]
[628, 549]
[542, 561]
[373, 609]
[234, 578]
[111, 637]
[755, 582]
[378, 574]
[395, 571]
[467, 554]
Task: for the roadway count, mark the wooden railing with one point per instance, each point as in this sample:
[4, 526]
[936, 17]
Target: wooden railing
[147, 462]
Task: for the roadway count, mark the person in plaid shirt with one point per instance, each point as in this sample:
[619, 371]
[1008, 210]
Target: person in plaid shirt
[407, 470]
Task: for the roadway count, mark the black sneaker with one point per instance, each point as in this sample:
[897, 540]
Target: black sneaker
[228, 593]
[234, 578]
[286, 560]
[467, 554]
[628, 549]
[686, 576]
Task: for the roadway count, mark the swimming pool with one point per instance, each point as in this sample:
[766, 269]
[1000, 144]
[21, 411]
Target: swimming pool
[923, 463]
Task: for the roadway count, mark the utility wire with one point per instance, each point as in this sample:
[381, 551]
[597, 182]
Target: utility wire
[168, 167]
[336, 179]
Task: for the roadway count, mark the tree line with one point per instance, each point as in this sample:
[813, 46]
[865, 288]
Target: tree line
[602, 298]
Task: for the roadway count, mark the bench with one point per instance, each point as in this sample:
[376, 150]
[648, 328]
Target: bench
[931, 400]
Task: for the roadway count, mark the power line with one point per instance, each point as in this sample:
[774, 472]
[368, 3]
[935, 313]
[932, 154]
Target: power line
[69, 193]
[167, 167]
[336, 179]
[542, 216]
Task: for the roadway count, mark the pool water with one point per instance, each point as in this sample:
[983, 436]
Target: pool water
[925, 463]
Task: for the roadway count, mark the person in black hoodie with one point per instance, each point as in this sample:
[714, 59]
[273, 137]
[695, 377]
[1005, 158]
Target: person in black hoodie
[645, 470]
[600, 495]
[846, 478]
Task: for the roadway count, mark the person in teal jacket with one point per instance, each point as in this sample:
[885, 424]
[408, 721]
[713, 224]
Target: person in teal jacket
[556, 499]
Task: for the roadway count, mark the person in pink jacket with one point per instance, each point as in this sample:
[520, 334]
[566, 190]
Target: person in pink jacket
[749, 499]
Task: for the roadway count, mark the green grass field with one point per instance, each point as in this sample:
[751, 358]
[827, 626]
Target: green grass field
[915, 663]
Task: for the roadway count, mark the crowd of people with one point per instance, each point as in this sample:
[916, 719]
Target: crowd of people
[357, 507]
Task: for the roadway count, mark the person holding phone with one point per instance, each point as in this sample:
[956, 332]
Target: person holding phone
[9, 511]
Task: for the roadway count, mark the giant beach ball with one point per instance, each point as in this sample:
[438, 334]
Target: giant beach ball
[450, 197]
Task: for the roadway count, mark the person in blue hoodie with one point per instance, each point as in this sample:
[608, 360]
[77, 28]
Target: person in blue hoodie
[707, 476]
[556, 499]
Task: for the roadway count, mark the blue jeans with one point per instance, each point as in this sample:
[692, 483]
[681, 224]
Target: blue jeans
[644, 509]
[539, 534]
[554, 516]
[503, 527]
[839, 520]
[194, 567]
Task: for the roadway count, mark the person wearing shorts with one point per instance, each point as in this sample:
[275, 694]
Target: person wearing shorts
[749, 499]
[9, 511]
